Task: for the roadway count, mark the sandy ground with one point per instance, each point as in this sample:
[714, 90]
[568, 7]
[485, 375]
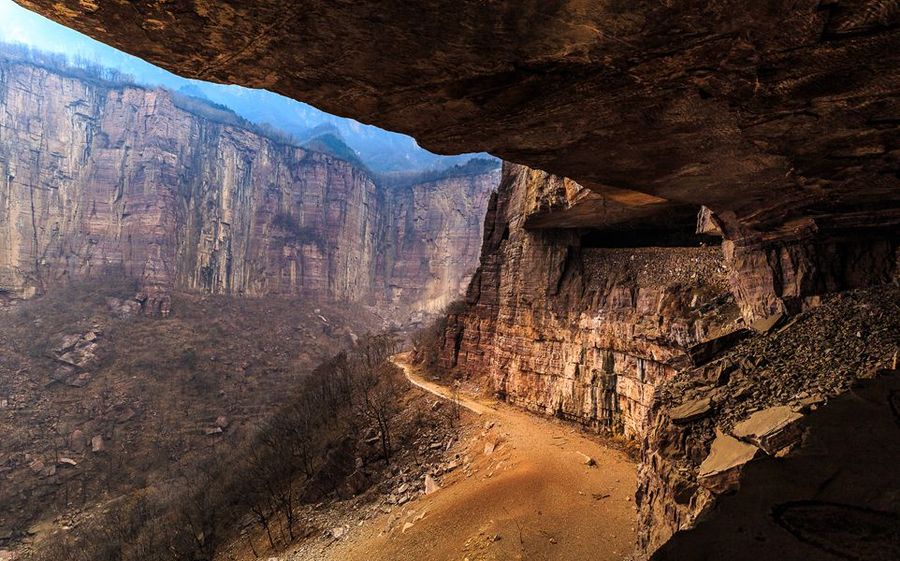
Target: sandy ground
[533, 497]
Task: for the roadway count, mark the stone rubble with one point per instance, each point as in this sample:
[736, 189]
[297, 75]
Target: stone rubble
[762, 390]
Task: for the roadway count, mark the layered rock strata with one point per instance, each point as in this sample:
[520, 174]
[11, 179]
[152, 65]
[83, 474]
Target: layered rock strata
[102, 179]
[772, 111]
[436, 229]
[713, 357]
[585, 333]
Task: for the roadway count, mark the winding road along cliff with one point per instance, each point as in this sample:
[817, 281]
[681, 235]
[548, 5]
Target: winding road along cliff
[536, 489]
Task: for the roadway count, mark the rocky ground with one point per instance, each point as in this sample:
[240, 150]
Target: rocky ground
[510, 486]
[427, 433]
[661, 266]
[801, 362]
[757, 399]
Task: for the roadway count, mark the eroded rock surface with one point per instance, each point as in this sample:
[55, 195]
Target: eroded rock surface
[776, 402]
[581, 332]
[764, 112]
[834, 497]
[101, 179]
[433, 242]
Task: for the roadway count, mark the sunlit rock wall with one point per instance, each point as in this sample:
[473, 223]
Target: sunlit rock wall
[101, 179]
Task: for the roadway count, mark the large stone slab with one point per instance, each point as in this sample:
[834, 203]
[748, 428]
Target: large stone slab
[771, 429]
[720, 471]
[691, 410]
[835, 498]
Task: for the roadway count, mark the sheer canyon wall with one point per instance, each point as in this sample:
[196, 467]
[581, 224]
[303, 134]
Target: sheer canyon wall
[100, 178]
[655, 333]
[582, 332]
[778, 117]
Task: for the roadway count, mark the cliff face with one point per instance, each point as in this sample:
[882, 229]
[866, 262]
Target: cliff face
[666, 344]
[770, 112]
[782, 443]
[585, 333]
[436, 231]
[102, 180]
[780, 117]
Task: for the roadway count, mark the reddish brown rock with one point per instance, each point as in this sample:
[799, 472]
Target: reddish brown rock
[685, 478]
[103, 179]
[586, 333]
[772, 429]
[720, 471]
[768, 111]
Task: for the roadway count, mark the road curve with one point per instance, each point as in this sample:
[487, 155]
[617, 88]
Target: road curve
[402, 361]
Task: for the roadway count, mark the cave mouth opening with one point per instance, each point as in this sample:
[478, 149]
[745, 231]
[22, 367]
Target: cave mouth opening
[648, 237]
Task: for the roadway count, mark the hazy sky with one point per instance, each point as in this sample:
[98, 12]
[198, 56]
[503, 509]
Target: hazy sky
[18, 25]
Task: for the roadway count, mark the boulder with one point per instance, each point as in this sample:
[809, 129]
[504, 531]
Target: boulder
[80, 381]
[808, 403]
[76, 440]
[354, 484]
[691, 410]
[64, 374]
[123, 309]
[586, 460]
[81, 356]
[68, 343]
[771, 429]
[37, 466]
[431, 485]
[720, 471]
[766, 324]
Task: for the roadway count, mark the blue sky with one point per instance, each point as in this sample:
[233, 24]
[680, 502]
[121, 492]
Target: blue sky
[18, 25]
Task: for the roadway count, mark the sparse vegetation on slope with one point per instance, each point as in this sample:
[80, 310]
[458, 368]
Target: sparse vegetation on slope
[154, 395]
[189, 515]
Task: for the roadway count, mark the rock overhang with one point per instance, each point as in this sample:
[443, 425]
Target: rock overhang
[763, 112]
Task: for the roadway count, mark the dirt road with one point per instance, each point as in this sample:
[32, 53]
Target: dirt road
[524, 490]
[441, 391]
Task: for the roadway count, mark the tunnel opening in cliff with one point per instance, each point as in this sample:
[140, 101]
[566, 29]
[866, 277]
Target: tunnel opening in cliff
[648, 237]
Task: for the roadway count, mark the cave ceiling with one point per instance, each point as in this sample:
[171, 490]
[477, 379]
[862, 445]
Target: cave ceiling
[768, 112]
